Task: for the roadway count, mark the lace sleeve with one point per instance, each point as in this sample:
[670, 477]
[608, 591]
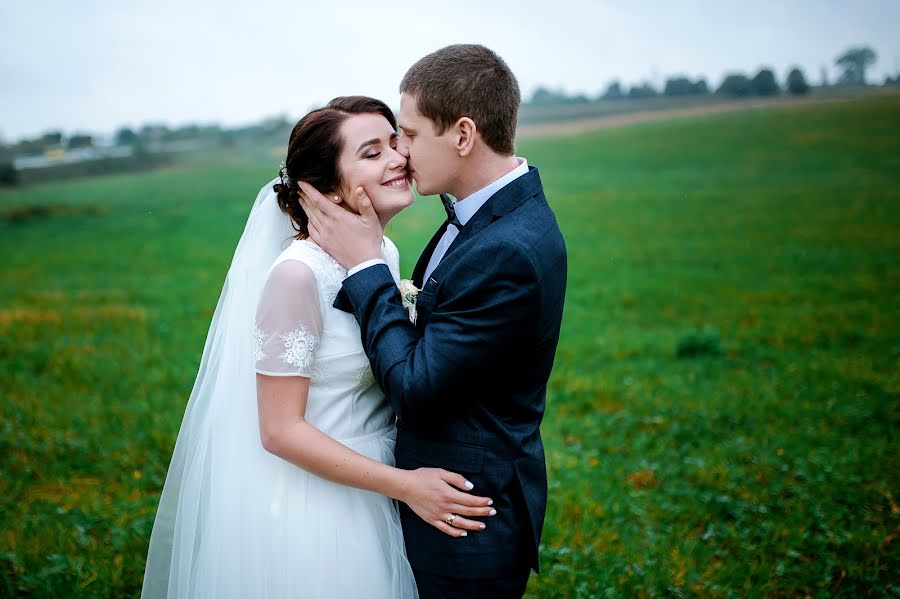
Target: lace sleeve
[288, 321]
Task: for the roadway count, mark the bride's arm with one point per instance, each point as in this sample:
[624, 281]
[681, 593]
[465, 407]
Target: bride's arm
[284, 432]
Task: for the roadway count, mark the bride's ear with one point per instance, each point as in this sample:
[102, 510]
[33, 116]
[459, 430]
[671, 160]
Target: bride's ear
[465, 136]
[345, 197]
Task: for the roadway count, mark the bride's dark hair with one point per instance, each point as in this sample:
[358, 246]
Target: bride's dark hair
[313, 151]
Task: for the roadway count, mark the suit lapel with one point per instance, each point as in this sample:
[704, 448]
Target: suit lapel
[481, 219]
[500, 204]
[422, 264]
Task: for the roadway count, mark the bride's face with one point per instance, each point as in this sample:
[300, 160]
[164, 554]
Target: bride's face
[369, 158]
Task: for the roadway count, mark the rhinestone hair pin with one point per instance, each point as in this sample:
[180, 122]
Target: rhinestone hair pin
[282, 172]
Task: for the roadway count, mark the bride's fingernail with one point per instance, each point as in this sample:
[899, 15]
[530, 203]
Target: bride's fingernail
[490, 502]
[482, 527]
[464, 534]
[493, 512]
[469, 485]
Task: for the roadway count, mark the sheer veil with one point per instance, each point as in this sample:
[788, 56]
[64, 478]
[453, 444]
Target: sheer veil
[218, 503]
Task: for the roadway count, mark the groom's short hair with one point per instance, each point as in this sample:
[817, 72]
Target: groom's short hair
[467, 80]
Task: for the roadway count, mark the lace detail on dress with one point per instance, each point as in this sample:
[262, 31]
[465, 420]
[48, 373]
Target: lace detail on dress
[288, 325]
[259, 338]
[299, 348]
[322, 374]
[366, 378]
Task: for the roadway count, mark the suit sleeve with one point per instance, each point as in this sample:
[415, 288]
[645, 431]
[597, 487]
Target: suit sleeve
[490, 310]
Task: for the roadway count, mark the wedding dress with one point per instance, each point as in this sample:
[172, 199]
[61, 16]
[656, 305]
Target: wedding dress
[237, 521]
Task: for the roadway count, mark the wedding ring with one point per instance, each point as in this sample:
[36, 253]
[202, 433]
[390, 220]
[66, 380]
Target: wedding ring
[450, 519]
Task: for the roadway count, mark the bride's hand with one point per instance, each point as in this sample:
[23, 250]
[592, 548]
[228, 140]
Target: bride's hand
[350, 238]
[430, 493]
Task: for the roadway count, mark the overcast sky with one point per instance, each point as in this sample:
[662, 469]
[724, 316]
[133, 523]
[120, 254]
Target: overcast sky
[95, 65]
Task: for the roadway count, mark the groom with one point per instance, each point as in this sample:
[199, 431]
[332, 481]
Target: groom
[467, 381]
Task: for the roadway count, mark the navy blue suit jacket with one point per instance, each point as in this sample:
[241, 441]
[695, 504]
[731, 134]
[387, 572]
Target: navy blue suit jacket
[468, 381]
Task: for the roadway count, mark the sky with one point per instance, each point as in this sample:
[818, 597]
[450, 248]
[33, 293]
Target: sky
[97, 65]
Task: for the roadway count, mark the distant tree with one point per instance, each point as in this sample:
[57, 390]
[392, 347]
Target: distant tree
[613, 91]
[182, 133]
[645, 90]
[543, 96]
[679, 86]
[228, 138]
[126, 137]
[735, 85]
[764, 83]
[894, 81]
[854, 62]
[682, 86]
[28, 147]
[38, 145]
[80, 140]
[152, 132]
[796, 82]
[579, 99]
[277, 123]
[51, 138]
[8, 173]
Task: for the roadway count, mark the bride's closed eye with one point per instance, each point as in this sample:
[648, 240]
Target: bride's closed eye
[376, 153]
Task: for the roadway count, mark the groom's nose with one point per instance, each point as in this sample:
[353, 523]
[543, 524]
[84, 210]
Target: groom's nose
[403, 147]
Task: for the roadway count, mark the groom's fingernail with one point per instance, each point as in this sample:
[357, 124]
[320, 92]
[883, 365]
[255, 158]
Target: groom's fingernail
[469, 485]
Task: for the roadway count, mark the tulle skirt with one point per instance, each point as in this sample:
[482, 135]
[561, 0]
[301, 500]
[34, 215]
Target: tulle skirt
[322, 539]
[235, 521]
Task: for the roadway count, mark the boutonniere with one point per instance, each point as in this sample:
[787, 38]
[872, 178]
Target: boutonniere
[408, 295]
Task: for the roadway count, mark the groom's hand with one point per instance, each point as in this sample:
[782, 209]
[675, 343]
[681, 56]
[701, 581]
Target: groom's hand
[349, 238]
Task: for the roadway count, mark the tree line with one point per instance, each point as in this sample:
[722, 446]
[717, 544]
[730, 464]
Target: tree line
[159, 140]
[853, 64]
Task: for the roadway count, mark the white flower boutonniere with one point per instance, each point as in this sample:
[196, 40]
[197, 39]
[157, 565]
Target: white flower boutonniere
[408, 294]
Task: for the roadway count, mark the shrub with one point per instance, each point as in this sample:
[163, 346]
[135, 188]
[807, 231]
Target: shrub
[699, 343]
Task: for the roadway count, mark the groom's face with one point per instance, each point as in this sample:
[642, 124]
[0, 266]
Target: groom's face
[432, 159]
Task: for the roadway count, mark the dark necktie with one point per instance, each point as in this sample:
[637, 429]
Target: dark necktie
[451, 211]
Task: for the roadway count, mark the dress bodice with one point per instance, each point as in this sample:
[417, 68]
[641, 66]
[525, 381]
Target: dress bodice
[299, 333]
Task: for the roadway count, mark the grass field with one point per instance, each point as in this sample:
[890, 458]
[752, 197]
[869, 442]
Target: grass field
[723, 415]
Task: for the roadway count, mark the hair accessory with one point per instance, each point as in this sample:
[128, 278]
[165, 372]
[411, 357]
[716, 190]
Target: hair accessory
[282, 172]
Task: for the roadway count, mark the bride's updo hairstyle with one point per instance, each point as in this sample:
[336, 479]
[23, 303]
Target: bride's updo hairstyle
[313, 151]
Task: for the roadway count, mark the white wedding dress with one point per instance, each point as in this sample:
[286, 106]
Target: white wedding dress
[235, 521]
[336, 541]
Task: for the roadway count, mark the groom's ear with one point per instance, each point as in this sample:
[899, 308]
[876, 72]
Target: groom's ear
[466, 132]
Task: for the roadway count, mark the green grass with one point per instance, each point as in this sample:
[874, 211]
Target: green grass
[722, 418]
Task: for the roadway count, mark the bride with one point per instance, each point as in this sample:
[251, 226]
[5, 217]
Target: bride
[282, 481]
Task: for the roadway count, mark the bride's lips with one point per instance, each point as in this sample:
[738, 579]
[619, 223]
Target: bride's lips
[401, 181]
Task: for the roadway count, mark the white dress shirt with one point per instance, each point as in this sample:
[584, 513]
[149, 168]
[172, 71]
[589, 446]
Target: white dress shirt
[465, 210]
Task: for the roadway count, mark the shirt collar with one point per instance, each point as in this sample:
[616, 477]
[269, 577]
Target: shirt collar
[465, 209]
